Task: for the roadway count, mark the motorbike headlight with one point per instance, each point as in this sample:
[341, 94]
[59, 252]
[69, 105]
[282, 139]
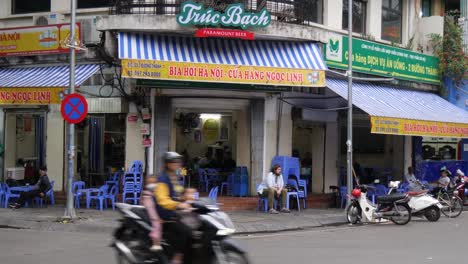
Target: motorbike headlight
[225, 232]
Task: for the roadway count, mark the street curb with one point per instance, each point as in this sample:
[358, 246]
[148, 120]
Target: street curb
[338, 221]
[108, 229]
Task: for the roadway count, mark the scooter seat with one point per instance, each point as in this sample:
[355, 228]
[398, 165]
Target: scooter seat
[390, 198]
[417, 193]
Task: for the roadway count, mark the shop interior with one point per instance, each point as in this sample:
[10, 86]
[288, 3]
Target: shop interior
[206, 139]
[100, 145]
[375, 156]
[308, 146]
[25, 135]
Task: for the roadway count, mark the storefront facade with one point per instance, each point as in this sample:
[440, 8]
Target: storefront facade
[395, 118]
[283, 115]
[34, 77]
[214, 92]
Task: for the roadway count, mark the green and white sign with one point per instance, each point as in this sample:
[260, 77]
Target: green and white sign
[383, 60]
[234, 16]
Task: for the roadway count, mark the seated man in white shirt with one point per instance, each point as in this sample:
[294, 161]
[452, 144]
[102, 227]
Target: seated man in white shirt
[272, 187]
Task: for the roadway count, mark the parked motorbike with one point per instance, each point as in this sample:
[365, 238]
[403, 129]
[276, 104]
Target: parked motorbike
[421, 203]
[212, 242]
[459, 191]
[392, 207]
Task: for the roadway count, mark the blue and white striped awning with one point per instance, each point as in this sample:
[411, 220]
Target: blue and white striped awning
[387, 101]
[50, 76]
[278, 54]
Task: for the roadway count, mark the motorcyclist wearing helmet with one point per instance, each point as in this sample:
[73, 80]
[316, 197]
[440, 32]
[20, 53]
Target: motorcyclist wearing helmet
[168, 199]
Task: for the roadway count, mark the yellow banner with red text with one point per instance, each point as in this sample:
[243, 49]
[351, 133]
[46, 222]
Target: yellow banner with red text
[221, 73]
[36, 40]
[30, 96]
[411, 127]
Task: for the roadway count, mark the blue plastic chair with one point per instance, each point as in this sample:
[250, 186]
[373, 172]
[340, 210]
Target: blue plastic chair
[300, 193]
[99, 195]
[136, 166]
[77, 186]
[214, 194]
[49, 195]
[343, 194]
[293, 195]
[9, 195]
[228, 184]
[114, 179]
[112, 196]
[130, 189]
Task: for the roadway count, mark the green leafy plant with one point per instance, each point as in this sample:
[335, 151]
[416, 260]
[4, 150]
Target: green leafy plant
[453, 62]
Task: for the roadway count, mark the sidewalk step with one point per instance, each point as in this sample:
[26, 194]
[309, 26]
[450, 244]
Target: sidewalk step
[230, 204]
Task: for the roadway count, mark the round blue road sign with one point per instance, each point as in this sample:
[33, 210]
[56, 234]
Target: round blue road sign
[74, 108]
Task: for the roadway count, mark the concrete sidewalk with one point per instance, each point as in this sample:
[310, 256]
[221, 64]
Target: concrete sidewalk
[88, 220]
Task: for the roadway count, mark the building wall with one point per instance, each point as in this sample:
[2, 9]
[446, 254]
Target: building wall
[55, 148]
[133, 148]
[243, 140]
[331, 155]
[284, 142]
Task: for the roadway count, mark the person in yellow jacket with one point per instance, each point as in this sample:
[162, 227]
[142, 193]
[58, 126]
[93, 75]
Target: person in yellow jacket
[168, 195]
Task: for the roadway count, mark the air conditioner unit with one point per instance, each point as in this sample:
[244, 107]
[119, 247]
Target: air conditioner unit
[50, 19]
[89, 33]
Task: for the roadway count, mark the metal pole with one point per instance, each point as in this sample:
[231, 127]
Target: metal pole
[349, 142]
[70, 210]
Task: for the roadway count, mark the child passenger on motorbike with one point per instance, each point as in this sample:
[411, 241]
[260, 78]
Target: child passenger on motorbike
[168, 194]
[147, 200]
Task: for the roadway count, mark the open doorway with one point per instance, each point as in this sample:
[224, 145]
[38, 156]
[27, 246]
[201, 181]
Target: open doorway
[100, 147]
[206, 139]
[25, 143]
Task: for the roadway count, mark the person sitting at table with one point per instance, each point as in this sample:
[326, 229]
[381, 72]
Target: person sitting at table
[272, 187]
[38, 190]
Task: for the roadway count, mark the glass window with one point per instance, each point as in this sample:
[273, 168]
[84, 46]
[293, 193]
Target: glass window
[426, 8]
[392, 12]
[307, 11]
[359, 15]
[29, 6]
[439, 148]
[94, 3]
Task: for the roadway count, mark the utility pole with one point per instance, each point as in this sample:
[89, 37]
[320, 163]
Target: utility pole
[70, 210]
[349, 142]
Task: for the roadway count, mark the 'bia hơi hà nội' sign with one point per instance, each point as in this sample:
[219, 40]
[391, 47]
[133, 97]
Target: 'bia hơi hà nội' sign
[234, 16]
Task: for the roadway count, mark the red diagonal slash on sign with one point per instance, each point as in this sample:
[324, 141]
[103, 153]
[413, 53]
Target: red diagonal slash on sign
[74, 108]
[67, 103]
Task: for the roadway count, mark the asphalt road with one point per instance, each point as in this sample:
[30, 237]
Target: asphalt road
[418, 242]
